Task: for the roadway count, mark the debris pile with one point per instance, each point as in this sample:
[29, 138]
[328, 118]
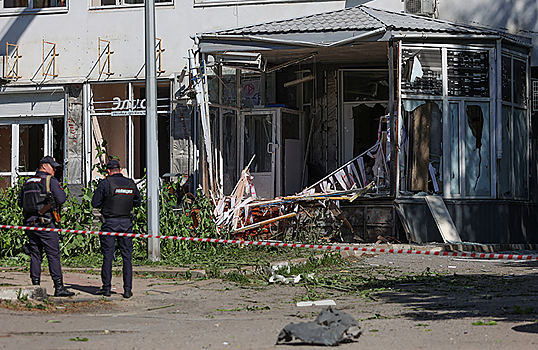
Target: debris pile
[244, 215]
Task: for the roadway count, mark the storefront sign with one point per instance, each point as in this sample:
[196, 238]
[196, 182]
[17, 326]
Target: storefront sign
[128, 107]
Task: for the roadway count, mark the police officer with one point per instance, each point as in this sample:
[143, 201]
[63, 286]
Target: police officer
[116, 196]
[37, 211]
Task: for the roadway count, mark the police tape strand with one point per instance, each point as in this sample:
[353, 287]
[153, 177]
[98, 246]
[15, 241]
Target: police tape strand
[289, 245]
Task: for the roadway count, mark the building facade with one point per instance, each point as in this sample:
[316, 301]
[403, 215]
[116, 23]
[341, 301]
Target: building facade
[424, 108]
[73, 81]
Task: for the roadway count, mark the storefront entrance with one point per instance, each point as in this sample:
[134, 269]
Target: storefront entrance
[23, 142]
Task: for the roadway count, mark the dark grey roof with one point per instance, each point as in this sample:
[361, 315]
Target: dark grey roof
[357, 18]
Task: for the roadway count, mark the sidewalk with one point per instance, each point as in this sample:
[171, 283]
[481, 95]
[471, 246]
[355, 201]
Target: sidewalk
[15, 282]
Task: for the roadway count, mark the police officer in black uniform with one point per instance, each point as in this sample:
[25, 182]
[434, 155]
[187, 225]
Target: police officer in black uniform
[116, 196]
[37, 211]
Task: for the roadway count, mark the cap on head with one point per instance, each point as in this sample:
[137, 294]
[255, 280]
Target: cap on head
[49, 160]
[113, 164]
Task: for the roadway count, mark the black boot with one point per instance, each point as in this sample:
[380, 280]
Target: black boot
[36, 281]
[60, 290]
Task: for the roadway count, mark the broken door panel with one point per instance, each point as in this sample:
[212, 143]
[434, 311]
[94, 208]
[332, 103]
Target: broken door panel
[259, 140]
[477, 149]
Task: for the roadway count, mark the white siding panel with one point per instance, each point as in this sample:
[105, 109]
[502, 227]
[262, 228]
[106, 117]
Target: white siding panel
[28, 104]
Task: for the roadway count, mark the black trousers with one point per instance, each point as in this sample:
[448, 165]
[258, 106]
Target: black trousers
[48, 242]
[108, 246]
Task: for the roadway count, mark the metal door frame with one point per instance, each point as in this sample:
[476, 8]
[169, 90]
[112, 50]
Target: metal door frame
[275, 166]
[14, 172]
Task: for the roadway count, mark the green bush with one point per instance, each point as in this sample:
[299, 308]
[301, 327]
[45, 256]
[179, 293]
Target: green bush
[77, 215]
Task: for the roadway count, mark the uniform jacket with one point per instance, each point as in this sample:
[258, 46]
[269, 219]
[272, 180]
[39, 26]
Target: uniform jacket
[55, 188]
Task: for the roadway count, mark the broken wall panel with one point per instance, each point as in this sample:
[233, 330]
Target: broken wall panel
[229, 135]
[317, 146]
[74, 136]
[182, 143]
[332, 121]
[369, 220]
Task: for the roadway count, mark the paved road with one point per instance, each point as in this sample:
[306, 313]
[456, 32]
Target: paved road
[212, 314]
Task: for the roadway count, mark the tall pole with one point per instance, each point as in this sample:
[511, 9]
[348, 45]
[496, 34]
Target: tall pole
[152, 171]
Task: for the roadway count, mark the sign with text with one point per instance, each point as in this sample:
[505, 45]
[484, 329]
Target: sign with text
[128, 107]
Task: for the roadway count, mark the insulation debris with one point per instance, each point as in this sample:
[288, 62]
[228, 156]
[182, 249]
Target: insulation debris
[330, 328]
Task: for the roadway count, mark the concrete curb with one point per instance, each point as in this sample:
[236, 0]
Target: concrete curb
[14, 293]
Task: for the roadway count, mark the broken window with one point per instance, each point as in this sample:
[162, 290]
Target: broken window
[454, 160]
[520, 82]
[505, 162]
[229, 86]
[423, 146]
[34, 4]
[477, 149]
[513, 171]
[520, 153]
[422, 72]
[213, 83]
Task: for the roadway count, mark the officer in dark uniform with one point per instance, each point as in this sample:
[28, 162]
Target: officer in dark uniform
[116, 196]
[37, 211]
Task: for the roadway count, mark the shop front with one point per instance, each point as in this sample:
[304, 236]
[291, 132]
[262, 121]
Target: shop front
[31, 126]
[117, 125]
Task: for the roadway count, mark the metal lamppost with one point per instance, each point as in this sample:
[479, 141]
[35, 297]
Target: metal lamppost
[152, 171]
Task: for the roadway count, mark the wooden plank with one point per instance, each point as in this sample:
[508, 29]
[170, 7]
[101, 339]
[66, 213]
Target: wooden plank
[261, 223]
[442, 218]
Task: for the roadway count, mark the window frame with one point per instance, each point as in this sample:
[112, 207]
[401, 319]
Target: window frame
[7, 11]
[121, 5]
[212, 3]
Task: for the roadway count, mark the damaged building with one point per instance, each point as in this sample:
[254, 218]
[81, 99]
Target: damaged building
[418, 127]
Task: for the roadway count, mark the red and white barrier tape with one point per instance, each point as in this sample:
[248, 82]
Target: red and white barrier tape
[289, 245]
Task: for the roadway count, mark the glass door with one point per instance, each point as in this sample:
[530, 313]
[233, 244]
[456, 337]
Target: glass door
[258, 143]
[22, 145]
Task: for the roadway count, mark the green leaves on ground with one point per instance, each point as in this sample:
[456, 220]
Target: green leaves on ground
[480, 323]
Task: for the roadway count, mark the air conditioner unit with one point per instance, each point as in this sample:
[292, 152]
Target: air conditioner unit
[420, 7]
